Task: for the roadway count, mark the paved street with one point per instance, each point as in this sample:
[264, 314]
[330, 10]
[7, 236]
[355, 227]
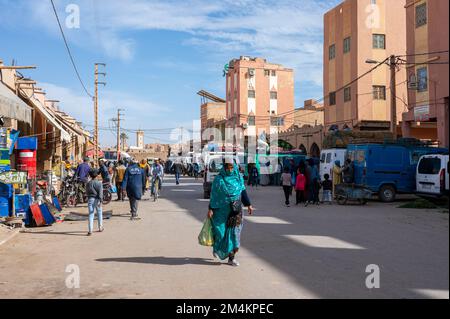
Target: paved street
[296, 252]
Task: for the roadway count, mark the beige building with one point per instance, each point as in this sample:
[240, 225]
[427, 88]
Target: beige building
[140, 139]
[312, 114]
[260, 96]
[212, 112]
[355, 31]
[428, 97]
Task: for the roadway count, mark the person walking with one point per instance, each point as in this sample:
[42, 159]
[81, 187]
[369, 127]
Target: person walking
[286, 181]
[178, 171]
[327, 187]
[104, 172]
[82, 172]
[196, 168]
[119, 175]
[94, 193]
[313, 183]
[254, 174]
[300, 186]
[228, 195]
[157, 173]
[146, 168]
[337, 175]
[134, 184]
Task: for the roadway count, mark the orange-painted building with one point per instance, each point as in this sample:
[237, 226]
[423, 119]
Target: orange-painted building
[260, 96]
[428, 71]
[356, 31]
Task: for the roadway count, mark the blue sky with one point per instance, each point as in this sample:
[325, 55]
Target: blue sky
[160, 53]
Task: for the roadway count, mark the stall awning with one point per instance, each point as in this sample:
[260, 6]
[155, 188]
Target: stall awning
[11, 106]
[50, 117]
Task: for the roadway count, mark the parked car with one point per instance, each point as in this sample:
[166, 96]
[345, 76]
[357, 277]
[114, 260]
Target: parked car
[327, 159]
[388, 169]
[432, 178]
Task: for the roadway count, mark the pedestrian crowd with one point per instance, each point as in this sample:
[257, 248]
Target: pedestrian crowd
[128, 178]
[306, 181]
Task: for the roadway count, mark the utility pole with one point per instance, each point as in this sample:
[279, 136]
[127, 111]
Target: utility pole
[392, 65]
[96, 143]
[119, 148]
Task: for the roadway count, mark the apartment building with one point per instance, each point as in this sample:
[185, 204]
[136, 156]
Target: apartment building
[428, 71]
[260, 96]
[356, 31]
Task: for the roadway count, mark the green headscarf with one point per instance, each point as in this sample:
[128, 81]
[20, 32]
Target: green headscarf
[227, 187]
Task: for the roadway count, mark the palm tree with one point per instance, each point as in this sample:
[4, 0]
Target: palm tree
[123, 140]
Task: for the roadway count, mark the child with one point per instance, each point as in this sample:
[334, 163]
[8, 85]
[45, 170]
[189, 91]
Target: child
[327, 189]
[286, 179]
[300, 185]
[94, 192]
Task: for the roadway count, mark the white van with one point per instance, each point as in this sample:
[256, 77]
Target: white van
[327, 159]
[213, 165]
[432, 177]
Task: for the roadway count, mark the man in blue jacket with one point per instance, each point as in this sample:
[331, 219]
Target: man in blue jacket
[134, 182]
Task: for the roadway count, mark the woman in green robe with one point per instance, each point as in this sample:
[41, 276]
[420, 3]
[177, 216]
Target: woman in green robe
[227, 189]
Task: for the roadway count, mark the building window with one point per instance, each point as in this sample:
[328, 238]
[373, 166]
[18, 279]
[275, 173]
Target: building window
[274, 73]
[421, 15]
[422, 79]
[347, 94]
[251, 72]
[333, 98]
[251, 94]
[332, 52]
[251, 120]
[266, 72]
[373, 1]
[379, 41]
[277, 121]
[379, 92]
[347, 45]
[273, 95]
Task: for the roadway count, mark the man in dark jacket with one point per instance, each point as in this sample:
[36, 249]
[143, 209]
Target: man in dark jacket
[134, 183]
[348, 171]
[104, 172]
[178, 172]
[83, 170]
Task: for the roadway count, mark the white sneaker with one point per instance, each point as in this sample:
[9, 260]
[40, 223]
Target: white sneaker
[233, 262]
[215, 255]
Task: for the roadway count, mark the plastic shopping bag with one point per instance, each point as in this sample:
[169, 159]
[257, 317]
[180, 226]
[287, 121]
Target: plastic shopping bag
[206, 236]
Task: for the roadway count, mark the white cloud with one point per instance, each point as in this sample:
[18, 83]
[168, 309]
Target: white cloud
[81, 108]
[284, 31]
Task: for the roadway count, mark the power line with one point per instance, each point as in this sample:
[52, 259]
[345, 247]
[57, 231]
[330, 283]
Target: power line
[425, 53]
[68, 50]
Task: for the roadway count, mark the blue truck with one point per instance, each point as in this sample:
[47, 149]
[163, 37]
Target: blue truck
[387, 169]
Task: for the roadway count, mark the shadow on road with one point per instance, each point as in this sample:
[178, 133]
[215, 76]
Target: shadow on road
[159, 260]
[70, 233]
[407, 252]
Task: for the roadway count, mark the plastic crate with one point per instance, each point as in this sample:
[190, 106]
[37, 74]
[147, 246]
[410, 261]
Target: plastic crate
[6, 190]
[4, 207]
[22, 203]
